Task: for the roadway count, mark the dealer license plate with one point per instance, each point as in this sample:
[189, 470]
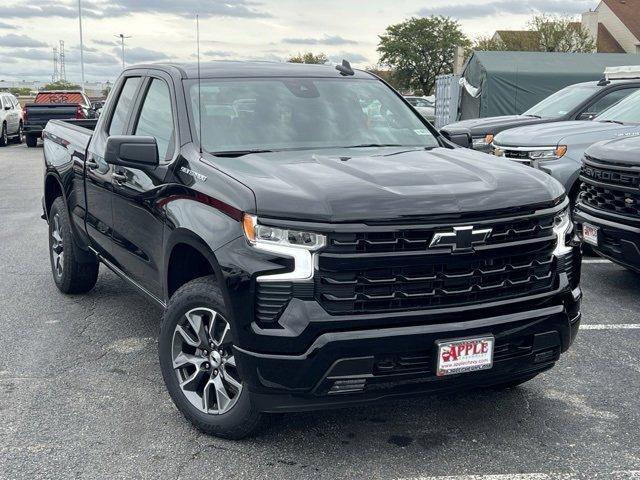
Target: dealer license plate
[590, 233]
[465, 355]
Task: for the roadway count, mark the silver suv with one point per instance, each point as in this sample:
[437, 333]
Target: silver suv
[10, 119]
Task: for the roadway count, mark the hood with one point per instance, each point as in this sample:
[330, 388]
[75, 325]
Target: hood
[386, 184]
[622, 150]
[559, 132]
[479, 127]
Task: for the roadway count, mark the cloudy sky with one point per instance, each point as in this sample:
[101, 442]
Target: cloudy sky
[230, 29]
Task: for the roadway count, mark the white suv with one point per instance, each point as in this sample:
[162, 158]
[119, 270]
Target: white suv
[10, 119]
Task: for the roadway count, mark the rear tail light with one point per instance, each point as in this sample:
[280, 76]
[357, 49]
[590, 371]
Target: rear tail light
[79, 112]
[24, 114]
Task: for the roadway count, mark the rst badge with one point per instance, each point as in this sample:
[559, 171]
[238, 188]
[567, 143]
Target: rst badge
[461, 238]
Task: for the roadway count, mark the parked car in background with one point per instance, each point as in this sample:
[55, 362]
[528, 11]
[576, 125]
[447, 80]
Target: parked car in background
[582, 101]
[558, 148]
[425, 106]
[11, 124]
[323, 246]
[54, 105]
[607, 215]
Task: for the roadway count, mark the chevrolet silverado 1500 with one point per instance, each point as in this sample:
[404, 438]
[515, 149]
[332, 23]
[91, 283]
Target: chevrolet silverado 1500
[312, 240]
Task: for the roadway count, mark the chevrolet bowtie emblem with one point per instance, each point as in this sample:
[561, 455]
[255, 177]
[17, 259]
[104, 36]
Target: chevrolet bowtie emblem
[460, 239]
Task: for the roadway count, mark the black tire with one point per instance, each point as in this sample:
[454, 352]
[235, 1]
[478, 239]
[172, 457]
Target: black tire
[20, 135]
[242, 418]
[76, 271]
[32, 141]
[4, 139]
[513, 383]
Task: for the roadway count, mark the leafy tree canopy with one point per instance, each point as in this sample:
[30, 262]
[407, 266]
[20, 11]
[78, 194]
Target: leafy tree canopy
[420, 49]
[309, 57]
[61, 85]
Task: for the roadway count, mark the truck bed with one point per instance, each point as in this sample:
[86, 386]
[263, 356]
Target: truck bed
[72, 134]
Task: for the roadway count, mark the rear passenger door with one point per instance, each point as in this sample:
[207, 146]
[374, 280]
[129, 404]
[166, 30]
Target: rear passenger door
[138, 222]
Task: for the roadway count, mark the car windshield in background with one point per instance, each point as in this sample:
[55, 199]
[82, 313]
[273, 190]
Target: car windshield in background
[626, 110]
[562, 102]
[244, 115]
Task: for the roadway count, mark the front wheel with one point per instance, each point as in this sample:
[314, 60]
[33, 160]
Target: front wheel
[198, 363]
[32, 141]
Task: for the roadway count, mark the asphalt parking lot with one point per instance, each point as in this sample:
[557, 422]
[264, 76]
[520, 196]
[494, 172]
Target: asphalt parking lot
[81, 395]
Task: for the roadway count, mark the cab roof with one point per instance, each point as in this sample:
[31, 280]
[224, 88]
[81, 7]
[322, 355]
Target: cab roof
[232, 69]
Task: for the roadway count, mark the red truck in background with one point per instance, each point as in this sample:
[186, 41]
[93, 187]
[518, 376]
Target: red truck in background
[54, 105]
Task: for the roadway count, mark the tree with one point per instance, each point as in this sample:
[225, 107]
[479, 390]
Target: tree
[20, 91]
[61, 85]
[419, 49]
[309, 57]
[391, 77]
[106, 90]
[561, 34]
[489, 44]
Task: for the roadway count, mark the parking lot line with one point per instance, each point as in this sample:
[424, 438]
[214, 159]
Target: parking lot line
[611, 326]
[595, 260]
[615, 475]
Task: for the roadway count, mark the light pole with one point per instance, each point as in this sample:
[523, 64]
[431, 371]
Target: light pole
[122, 36]
[81, 44]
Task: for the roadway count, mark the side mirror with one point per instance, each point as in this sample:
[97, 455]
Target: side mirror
[586, 116]
[460, 139]
[7, 107]
[132, 151]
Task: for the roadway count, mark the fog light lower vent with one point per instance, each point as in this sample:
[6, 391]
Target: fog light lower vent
[348, 386]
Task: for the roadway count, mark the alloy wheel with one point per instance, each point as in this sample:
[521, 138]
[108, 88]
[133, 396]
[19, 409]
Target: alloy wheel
[204, 363]
[57, 247]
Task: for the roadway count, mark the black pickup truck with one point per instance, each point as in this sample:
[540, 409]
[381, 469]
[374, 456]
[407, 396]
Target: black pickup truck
[53, 105]
[312, 240]
[608, 210]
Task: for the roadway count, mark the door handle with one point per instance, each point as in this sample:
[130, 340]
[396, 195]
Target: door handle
[119, 178]
[92, 164]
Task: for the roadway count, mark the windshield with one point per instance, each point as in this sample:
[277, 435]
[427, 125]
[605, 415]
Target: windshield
[626, 110]
[562, 102]
[240, 115]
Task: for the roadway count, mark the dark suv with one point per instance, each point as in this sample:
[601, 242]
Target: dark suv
[582, 101]
[313, 241]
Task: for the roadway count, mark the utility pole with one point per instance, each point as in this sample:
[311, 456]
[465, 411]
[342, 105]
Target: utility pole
[122, 37]
[81, 44]
[56, 74]
[63, 70]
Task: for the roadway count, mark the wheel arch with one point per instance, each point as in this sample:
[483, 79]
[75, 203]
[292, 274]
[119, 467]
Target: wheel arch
[52, 190]
[184, 245]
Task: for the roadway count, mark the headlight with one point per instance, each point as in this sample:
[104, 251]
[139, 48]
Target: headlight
[550, 154]
[562, 227]
[296, 244]
[482, 142]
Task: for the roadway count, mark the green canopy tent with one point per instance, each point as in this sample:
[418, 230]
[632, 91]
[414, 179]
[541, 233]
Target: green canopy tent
[508, 83]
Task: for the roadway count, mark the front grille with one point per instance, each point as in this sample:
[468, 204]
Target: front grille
[516, 154]
[419, 239]
[611, 199]
[431, 281]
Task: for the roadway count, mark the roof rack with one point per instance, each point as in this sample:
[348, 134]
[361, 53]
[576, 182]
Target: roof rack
[626, 72]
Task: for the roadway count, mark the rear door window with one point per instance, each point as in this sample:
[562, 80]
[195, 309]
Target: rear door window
[118, 125]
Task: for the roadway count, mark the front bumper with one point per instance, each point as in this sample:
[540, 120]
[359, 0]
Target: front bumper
[619, 237]
[350, 367]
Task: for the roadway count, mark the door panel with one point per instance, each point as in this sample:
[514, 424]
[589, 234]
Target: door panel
[138, 223]
[99, 174]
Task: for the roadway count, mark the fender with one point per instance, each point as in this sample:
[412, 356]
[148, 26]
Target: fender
[202, 227]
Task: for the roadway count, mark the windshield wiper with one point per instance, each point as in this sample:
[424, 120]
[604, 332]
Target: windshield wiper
[366, 145]
[238, 153]
[612, 121]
